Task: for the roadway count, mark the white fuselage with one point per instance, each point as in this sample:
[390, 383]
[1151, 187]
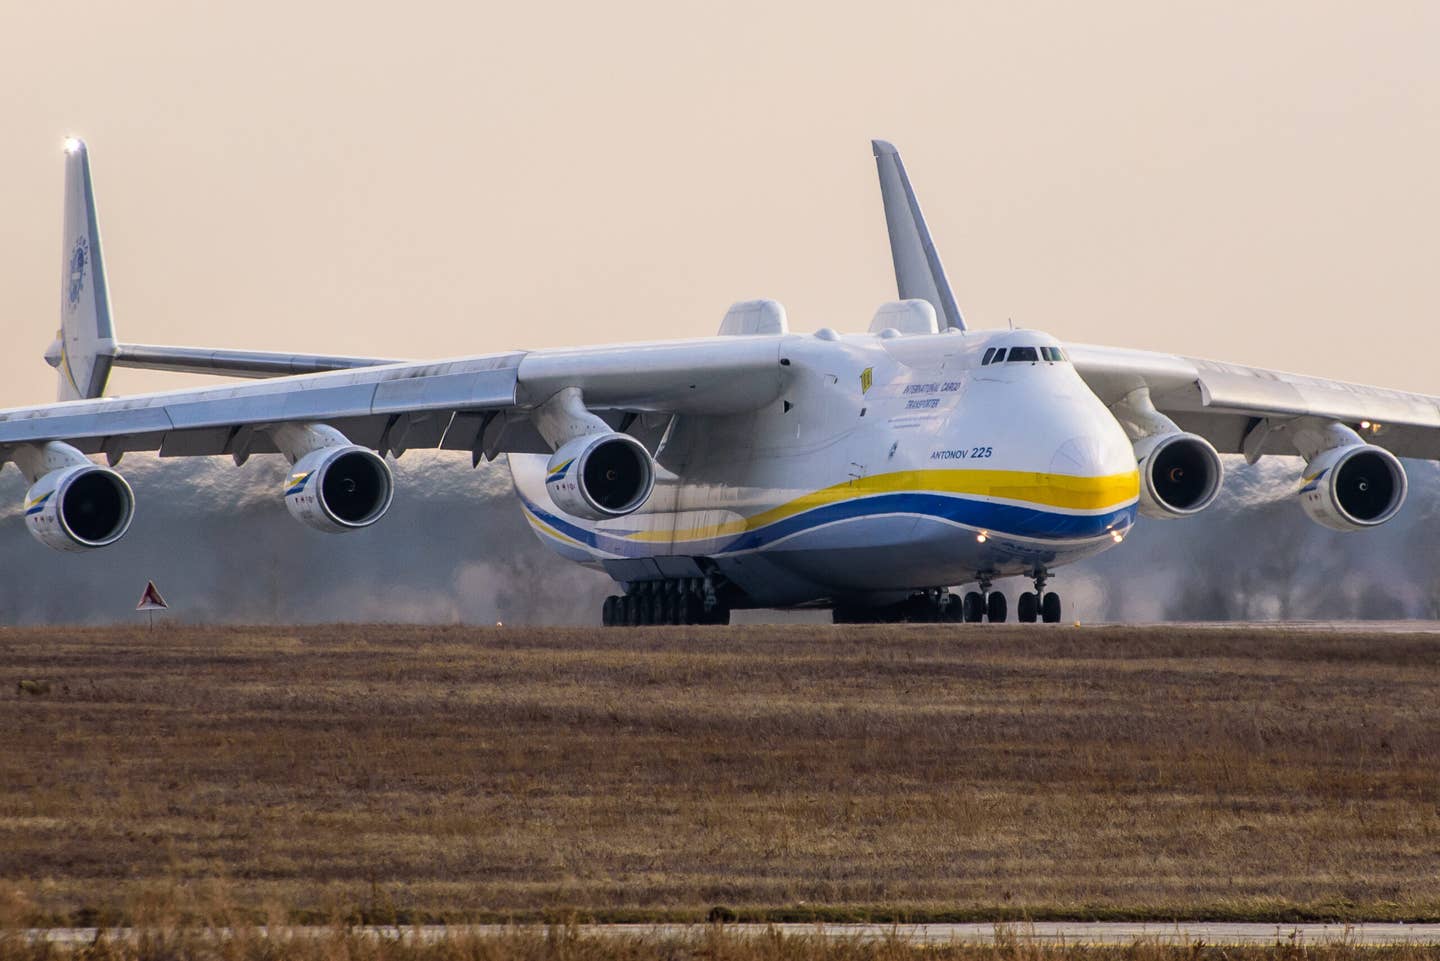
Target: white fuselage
[888, 464]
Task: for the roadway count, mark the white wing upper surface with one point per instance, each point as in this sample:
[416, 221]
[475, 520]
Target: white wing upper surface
[1223, 402]
[476, 403]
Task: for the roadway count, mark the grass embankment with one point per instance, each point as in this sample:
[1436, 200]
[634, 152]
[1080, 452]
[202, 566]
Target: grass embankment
[862, 773]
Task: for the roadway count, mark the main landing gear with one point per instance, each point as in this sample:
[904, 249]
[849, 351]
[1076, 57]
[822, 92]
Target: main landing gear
[687, 600]
[1038, 602]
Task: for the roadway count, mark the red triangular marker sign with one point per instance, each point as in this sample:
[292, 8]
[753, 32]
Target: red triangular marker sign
[151, 599]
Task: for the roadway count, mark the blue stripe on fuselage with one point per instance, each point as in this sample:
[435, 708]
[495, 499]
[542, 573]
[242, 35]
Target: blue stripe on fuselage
[996, 519]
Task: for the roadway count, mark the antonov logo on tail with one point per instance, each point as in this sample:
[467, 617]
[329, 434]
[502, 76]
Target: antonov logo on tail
[79, 258]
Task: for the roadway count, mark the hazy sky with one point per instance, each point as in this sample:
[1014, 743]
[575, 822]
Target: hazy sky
[1253, 182]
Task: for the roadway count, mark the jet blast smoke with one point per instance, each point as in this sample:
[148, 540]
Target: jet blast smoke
[455, 548]
[218, 541]
[1254, 555]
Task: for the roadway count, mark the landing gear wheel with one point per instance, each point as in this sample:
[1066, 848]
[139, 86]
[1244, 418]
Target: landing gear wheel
[1028, 608]
[974, 607]
[690, 609]
[607, 611]
[632, 611]
[1050, 609]
[954, 608]
[995, 608]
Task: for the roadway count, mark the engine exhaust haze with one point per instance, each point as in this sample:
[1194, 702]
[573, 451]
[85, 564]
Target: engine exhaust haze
[455, 548]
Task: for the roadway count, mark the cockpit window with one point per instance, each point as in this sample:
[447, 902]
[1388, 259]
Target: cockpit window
[988, 354]
[1021, 354]
[1053, 353]
[999, 356]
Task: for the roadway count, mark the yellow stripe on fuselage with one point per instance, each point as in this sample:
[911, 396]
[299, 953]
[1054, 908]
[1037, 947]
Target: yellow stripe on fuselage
[545, 528]
[1064, 491]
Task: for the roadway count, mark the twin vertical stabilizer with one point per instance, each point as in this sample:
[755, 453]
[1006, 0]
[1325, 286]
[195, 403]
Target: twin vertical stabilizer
[919, 274]
[85, 345]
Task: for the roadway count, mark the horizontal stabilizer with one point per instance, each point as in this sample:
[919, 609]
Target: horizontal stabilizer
[236, 363]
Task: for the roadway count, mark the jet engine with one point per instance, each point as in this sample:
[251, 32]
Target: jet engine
[79, 507]
[1180, 474]
[337, 489]
[596, 476]
[1353, 488]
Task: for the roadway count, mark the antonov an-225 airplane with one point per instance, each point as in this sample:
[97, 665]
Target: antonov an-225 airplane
[760, 468]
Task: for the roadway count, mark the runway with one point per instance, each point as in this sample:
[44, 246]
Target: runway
[1054, 933]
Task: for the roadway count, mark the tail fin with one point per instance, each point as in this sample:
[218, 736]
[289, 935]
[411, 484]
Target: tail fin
[919, 274]
[85, 344]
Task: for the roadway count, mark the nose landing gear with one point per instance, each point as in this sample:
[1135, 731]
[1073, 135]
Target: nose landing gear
[1038, 602]
[985, 604]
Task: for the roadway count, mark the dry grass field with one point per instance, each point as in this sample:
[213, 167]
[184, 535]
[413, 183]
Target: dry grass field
[706, 944]
[942, 772]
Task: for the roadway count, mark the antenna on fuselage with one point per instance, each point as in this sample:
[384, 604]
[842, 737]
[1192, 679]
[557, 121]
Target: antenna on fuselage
[919, 274]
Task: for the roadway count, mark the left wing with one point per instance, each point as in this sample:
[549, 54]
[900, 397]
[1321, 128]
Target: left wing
[1242, 409]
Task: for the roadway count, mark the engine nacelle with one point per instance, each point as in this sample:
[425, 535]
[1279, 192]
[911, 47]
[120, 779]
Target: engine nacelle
[337, 489]
[1354, 488]
[79, 508]
[600, 475]
[1180, 475]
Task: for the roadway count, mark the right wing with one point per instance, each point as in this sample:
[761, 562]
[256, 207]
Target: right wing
[480, 404]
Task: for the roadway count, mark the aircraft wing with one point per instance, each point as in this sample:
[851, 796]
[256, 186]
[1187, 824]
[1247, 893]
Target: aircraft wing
[480, 404]
[1228, 403]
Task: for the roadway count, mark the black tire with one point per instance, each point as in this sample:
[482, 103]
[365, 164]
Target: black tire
[1050, 609]
[954, 608]
[674, 609]
[632, 610]
[691, 607]
[607, 612]
[974, 607]
[1028, 608]
[995, 608]
[652, 610]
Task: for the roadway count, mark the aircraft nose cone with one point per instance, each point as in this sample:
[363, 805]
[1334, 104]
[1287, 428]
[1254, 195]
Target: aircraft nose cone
[1083, 457]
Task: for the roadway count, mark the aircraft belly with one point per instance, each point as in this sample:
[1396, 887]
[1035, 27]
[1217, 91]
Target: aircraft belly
[906, 553]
